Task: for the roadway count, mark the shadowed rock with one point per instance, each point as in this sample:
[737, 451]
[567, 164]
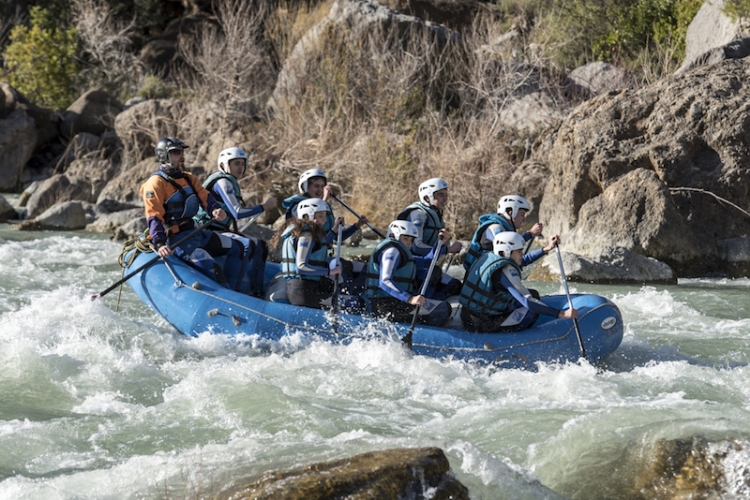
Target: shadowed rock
[17, 140]
[616, 156]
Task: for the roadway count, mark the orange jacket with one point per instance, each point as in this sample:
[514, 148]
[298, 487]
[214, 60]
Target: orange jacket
[157, 190]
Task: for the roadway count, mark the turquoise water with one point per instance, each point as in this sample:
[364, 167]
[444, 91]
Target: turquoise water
[102, 404]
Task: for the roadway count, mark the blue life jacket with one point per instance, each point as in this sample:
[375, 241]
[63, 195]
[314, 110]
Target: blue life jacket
[183, 205]
[403, 275]
[318, 256]
[477, 295]
[289, 203]
[475, 248]
[230, 222]
[432, 225]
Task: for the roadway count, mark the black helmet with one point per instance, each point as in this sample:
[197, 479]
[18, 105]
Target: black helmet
[165, 145]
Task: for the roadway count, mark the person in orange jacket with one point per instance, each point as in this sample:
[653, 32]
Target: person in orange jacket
[172, 197]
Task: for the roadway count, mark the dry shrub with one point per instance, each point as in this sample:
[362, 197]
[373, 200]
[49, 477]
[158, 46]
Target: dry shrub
[289, 21]
[108, 45]
[381, 111]
[229, 61]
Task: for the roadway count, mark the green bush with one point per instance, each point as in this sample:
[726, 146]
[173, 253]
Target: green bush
[646, 23]
[153, 87]
[40, 61]
[615, 31]
[737, 9]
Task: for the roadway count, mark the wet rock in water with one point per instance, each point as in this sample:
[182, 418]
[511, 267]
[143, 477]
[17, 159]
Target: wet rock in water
[6, 210]
[66, 216]
[609, 265]
[680, 469]
[402, 473]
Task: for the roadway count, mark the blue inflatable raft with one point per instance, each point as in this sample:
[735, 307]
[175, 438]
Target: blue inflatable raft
[194, 303]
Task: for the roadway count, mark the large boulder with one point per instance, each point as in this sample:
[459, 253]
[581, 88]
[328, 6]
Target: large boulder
[347, 20]
[609, 265]
[616, 157]
[46, 121]
[599, 77]
[123, 191]
[94, 112]
[7, 211]
[59, 188]
[66, 216]
[531, 112]
[17, 141]
[636, 212]
[419, 473]
[709, 30]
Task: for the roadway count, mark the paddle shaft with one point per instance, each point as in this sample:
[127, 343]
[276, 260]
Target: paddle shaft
[407, 338]
[335, 301]
[357, 215]
[450, 261]
[250, 222]
[528, 245]
[144, 266]
[570, 302]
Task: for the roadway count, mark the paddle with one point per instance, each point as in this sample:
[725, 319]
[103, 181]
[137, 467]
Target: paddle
[357, 215]
[145, 265]
[335, 301]
[570, 302]
[528, 245]
[250, 222]
[407, 338]
[450, 261]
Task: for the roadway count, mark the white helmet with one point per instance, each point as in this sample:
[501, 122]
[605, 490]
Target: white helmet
[402, 227]
[429, 187]
[310, 207]
[506, 242]
[515, 203]
[230, 154]
[307, 175]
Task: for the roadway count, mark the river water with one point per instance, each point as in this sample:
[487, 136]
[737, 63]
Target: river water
[102, 404]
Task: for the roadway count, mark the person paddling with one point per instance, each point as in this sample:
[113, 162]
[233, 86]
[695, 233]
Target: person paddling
[224, 185]
[427, 215]
[511, 214]
[172, 197]
[305, 265]
[392, 285]
[493, 298]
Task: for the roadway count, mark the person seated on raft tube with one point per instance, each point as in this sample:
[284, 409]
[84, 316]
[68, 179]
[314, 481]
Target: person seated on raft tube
[172, 197]
[223, 185]
[511, 214]
[427, 216]
[313, 183]
[493, 299]
[392, 287]
[305, 265]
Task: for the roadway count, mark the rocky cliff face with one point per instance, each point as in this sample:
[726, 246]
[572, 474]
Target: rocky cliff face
[618, 157]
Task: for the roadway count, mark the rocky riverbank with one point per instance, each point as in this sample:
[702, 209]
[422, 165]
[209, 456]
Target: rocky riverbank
[644, 184]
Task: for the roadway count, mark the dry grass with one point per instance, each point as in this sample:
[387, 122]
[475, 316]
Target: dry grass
[108, 43]
[229, 61]
[379, 109]
[382, 111]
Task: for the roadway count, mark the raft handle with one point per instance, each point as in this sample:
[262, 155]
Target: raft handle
[214, 312]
